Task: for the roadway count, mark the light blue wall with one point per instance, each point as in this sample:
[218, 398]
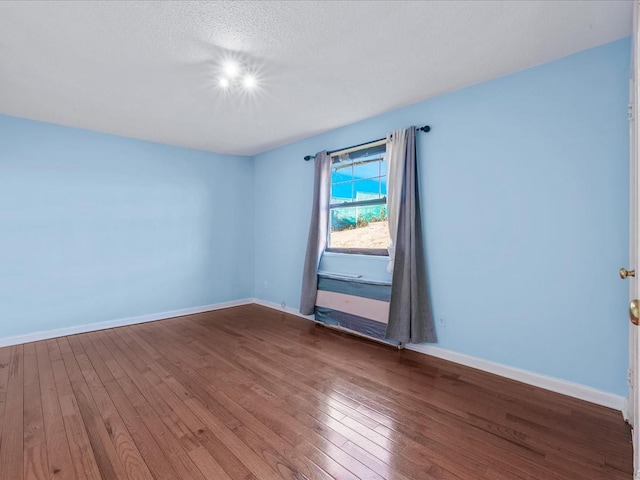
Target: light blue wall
[95, 227]
[525, 208]
[525, 205]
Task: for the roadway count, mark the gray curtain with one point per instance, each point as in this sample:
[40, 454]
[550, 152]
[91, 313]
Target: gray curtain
[410, 317]
[317, 241]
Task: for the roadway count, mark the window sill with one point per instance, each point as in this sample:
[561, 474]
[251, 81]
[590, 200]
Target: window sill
[373, 252]
[334, 254]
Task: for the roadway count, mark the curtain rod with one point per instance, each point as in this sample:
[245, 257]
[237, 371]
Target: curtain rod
[425, 129]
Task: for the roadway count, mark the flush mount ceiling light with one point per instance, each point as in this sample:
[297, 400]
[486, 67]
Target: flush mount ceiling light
[231, 69]
[236, 75]
[249, 81]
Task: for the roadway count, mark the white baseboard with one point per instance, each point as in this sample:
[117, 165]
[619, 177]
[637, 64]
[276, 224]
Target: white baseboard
[277, 306]
[92, 327]
[557, 385]
[625, 411]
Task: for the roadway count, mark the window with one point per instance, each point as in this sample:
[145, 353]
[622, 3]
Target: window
[358, 205]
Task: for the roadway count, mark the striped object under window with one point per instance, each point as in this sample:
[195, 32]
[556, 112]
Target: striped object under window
[355, 304]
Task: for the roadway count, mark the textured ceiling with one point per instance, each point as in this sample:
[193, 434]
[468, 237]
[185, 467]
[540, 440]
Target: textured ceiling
[149, 69]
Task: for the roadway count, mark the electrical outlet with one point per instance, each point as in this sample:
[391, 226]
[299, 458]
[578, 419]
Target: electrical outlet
[442, 322]
[266, 285]
[629, 377]
[283, 304]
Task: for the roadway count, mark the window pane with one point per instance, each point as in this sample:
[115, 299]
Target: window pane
[341, 173]
[341, 184]
[366, 170]
[367, 189]
[341, 192]
[359, 177]
[359, 227]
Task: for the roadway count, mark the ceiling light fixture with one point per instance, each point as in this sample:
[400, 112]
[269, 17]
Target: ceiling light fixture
[249, 81]
[235, 75]
[231, 69]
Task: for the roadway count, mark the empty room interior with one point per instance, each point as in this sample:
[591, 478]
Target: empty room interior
[319, 240]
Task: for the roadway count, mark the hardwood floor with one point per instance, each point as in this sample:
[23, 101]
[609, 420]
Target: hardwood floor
[252, 393]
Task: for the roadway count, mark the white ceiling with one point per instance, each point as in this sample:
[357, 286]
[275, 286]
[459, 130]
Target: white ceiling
[149, 69]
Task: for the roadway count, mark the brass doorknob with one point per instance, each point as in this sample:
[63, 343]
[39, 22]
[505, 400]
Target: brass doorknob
[634, 311]
[624, 273]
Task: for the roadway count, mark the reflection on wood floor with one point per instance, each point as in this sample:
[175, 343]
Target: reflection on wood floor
[252, 393]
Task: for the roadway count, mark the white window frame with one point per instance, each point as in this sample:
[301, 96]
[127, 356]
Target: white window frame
[378, 201]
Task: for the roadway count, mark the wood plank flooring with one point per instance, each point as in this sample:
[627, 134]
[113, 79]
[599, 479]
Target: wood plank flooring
[252, 393]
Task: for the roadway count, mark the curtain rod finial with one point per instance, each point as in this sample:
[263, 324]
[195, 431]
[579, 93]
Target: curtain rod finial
[309, 157]
[425, 129]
